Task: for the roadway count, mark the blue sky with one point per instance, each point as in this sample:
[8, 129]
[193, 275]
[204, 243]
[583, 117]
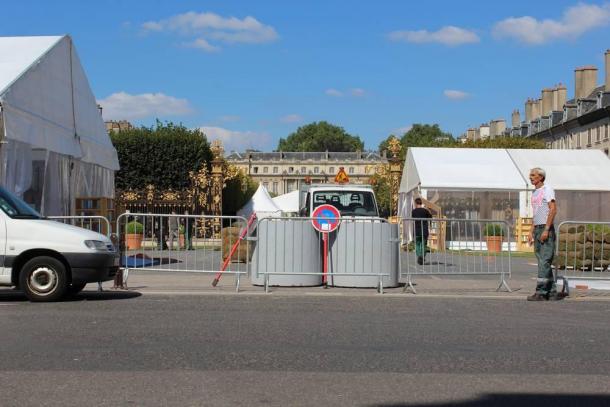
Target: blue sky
[250, 72]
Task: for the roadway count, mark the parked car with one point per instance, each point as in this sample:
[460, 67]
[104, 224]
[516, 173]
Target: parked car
[47, 259]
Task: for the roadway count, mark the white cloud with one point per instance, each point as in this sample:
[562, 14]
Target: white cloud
[122, 105]
[448, 35]
[203, 27]
[233, 140]
[202, 44]
[574, 22]
[333, 92]
[291, 118]
[455, 94]
[354, 92]
[357, 92]
[230, 118]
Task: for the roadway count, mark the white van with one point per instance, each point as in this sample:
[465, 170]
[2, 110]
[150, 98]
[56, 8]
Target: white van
[47, 259]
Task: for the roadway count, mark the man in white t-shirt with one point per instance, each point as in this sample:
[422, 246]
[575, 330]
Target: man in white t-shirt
[543, 236]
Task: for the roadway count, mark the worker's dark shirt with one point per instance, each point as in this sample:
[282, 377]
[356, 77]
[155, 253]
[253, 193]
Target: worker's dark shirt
[421, 226]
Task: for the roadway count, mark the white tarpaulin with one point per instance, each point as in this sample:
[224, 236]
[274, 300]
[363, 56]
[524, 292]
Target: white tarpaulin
[47, 105]
[261, 204]
[494, 183]
[460, 168]
[288, 203]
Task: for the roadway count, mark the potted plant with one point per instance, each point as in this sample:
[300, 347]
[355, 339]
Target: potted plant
[494, 235]
[134, 233]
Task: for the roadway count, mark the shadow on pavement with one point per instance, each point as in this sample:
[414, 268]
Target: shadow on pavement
[16, 295]
[521, 400]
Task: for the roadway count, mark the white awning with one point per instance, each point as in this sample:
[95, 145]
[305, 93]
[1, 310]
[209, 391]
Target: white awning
[261, 204]
[288, 203]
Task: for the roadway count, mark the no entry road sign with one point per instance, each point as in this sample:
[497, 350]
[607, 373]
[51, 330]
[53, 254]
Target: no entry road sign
[325, 218]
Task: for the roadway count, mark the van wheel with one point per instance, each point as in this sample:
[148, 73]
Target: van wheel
[43, 279]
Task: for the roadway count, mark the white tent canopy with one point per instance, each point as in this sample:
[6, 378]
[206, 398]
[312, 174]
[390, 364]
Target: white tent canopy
[49, 115]
[463, 168]
[288, 203]
[261, 204]
[494, 183]
[501, 169]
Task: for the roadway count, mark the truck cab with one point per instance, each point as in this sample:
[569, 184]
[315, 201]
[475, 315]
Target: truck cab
[351, 200]
[48, 259]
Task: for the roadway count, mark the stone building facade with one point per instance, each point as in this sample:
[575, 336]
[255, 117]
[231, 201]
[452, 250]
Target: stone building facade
[283, 172]
[580, 122]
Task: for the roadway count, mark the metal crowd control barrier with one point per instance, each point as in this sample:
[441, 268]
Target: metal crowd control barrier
[455, 247]
[363, 252]
[582, 251]
[97, 224]
[183, 243]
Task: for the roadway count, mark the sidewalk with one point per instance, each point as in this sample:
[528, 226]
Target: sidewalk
[522, 283]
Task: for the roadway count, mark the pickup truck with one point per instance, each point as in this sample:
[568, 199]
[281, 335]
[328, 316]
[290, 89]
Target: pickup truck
[48, 259]
[351, 200]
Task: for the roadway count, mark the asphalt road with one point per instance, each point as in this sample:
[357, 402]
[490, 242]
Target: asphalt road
[218, 350]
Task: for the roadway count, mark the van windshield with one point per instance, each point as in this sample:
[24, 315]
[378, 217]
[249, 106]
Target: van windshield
[349, 203]
[15, 207]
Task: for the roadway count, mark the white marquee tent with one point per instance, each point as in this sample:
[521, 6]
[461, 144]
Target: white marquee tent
[261, 204]
[288, 203]
[494, 183]
[54, 142]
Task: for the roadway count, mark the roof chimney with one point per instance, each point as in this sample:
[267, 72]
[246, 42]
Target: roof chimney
[536, 109]
[585, 79]
[560, 94]
[607, 59]
[516, 118]
[528, 110]
[547, 101]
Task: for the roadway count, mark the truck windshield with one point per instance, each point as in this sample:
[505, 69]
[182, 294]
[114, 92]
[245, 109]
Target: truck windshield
[15, 207]
[349, 203]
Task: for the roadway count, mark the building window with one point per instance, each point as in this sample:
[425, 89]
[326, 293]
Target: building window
[351, 170]
[290, 169]
[331, 170]
[266, 185]
[255, 170]
[265, 170]
[274, 188]
[303, 170]
[316, 170]
[275, 170]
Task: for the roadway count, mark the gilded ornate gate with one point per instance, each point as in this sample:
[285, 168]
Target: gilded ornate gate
[203, 197]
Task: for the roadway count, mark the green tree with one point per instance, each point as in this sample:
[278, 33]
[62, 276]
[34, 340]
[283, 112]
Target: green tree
[320, 136]
[160, 155]
[237, 192]
[426, 135]
[383, 193]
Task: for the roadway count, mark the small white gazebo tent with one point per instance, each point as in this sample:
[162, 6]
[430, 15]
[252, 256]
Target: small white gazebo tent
[288, 203]
[54, 142]
[261, 204]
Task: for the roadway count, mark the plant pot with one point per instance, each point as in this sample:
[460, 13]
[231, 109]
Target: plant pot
[133, 241]
[494, 244]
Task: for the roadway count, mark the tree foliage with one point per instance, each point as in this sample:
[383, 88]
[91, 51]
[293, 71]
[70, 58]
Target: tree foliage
[320, 136]
[237, 192]
[160, 155]
[383, 193]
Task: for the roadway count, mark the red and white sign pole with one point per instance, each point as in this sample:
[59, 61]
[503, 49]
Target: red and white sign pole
[325, 219]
